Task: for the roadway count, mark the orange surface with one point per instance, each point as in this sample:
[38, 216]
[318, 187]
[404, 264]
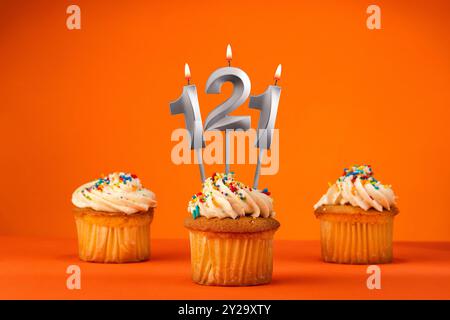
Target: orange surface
[32, 268]
[75, 104]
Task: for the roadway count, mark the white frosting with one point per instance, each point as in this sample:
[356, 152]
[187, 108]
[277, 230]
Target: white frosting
[117, 192]
[359, 188]
[223, 197]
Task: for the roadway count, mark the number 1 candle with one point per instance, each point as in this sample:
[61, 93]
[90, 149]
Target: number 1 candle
[267, 103]
[187, 104]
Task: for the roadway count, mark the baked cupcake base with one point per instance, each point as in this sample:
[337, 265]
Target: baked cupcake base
[113, 237]
[351, 235]
[231, 252]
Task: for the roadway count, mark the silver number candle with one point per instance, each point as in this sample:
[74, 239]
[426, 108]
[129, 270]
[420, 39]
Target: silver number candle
[267, 104]
[219, 119]
[187, 104]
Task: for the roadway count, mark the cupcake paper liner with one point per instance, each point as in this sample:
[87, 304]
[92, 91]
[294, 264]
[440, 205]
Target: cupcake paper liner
[230, 259]
[357, 242]
[112, 239]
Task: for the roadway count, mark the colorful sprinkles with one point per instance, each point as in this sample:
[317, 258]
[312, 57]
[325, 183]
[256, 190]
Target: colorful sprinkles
[112, 180]
[196, 212]
[363, 172]
[215, 181]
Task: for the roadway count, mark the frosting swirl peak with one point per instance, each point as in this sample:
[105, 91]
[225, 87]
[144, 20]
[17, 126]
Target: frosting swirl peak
[224, 197]
[359, 188]
[116, 192]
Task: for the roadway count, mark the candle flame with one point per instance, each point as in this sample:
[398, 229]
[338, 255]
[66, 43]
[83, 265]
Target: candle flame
[229, 53]
[187, 71]
[277, 75]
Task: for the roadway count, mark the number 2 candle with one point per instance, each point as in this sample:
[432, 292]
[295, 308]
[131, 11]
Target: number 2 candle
[219, 119]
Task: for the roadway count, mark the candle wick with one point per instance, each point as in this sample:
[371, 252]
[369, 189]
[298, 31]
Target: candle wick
[189, 81]
[276, 81]
[229, 63]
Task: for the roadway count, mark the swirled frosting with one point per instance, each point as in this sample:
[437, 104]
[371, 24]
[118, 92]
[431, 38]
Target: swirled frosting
[116, 192]
[359, 188]
[224, 197]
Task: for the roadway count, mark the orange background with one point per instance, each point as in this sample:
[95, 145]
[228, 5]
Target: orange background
[36, 269]
[75, 104]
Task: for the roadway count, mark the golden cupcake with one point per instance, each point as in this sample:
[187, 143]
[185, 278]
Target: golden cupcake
[113, 216]
[357, 219]
[231, 232]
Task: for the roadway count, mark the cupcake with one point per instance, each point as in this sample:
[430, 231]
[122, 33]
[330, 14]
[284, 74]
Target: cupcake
[231, 232]
[356, 219]
[113, 216]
